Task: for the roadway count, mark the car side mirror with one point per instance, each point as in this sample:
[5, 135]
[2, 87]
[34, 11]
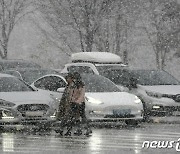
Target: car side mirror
[60, 90]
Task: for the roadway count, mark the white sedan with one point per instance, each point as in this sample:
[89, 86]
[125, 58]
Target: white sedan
[21, 105]
[104, 100]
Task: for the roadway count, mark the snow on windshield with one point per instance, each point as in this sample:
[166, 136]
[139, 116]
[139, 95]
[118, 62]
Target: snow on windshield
[99, 84]
[9, 84]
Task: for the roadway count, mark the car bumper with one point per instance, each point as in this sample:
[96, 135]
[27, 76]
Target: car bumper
[101, 116]
[16, 123]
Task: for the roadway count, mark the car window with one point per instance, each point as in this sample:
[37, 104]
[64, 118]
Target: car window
[154, 77]
[80, 69]
[119, 77]
[51, 83]
[99, 84]
[143, 77]
[10, 84]
[30, 75]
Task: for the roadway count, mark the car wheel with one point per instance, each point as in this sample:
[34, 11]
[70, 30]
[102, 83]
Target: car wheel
[131, 122]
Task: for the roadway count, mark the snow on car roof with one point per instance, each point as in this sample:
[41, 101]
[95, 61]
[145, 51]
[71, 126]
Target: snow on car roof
[96, 57]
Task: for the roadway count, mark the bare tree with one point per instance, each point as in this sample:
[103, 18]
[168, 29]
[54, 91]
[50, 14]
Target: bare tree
[11, 11]
[83, 16]
[121, 21]
[163, 28]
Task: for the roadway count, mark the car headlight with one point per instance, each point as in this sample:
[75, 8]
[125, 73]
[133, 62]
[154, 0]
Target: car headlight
[6, 114]
[137, 100]
[93, 101]
[154, 94]
[54, 114]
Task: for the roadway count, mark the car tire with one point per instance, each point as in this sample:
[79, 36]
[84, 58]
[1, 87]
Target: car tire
[131, 122]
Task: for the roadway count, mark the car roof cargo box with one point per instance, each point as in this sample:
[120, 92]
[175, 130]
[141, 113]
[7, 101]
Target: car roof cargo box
[96, 57]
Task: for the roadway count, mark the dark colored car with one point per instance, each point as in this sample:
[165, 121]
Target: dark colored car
[158, 89]
[18, 63]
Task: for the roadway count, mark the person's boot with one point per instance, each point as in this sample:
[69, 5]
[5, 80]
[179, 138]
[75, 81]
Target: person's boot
[68, 133]
[88, 132]
[61, 132]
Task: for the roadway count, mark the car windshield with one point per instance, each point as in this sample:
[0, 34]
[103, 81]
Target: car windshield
[10, 84]
[102, 68]
[30, 76]
[154, 77]
[143, 77]
[95, 83]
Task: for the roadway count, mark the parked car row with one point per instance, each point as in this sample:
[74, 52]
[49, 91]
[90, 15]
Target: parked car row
[158, 90]
[21, 104]
[114, 92]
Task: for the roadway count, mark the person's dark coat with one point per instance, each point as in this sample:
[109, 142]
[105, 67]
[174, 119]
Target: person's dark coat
[64, 107]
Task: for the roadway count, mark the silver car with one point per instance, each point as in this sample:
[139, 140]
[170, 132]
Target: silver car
[21, 105]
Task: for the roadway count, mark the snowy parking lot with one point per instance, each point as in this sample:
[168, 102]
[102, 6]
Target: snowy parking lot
[105, 139]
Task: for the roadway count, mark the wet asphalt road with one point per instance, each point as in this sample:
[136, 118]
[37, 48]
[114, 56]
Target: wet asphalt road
[104, 140]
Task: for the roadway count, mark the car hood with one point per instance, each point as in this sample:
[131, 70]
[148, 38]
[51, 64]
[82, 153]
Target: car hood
[114, 98]
[25, 97]
[163, 89]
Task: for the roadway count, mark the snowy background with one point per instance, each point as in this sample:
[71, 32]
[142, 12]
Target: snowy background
[27, 41]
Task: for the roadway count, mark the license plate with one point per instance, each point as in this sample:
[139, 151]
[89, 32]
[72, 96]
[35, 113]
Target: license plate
[34, 113]
[122, 112]
[176, 113]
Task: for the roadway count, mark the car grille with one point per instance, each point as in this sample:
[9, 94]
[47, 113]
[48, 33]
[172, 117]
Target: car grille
[33, 110]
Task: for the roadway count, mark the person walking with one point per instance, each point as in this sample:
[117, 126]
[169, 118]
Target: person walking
[78, 103]
[65, 114]
[72, 106]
